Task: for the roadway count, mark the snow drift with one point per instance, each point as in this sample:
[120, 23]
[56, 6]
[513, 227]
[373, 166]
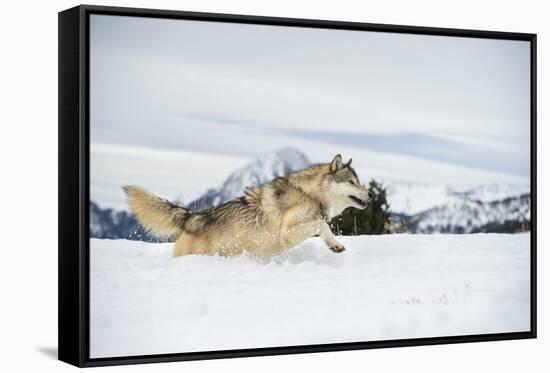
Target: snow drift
[143, 301]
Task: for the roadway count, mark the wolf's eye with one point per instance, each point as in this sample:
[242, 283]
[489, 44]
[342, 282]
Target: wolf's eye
[351, 182]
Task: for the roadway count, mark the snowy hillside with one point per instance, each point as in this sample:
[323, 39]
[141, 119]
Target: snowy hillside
[462, 214]
[438, 208]
[263, 169]
[497, 192]
[142, 301]
[411, 198]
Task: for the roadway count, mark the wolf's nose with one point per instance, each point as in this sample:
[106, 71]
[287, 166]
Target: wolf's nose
[371, 195]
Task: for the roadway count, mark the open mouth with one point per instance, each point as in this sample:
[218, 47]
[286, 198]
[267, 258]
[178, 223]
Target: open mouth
[361, 202]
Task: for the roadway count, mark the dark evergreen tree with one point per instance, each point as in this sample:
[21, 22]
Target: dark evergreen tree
[371, 220]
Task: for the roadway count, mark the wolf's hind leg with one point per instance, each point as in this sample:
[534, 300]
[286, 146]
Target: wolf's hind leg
[183, 245]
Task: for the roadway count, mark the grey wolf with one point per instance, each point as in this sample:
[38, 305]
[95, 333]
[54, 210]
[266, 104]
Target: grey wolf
[266, 220]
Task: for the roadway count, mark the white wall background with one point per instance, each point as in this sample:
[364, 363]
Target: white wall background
[28, 198]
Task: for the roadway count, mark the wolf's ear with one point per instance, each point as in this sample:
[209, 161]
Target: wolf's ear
[349, 163]
[336, 163]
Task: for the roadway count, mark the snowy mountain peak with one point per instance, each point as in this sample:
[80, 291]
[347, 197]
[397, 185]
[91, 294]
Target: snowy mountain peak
[263, 169]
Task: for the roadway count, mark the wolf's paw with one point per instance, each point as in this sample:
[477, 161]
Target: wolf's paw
[338, 248]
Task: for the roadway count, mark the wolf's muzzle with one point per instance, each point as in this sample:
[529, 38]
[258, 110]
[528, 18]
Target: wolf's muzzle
[359, 201]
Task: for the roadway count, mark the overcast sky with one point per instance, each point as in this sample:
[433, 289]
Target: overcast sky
[191, 85]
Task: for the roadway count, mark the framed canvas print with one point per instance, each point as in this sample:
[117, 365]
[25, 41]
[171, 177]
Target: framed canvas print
[235, 186]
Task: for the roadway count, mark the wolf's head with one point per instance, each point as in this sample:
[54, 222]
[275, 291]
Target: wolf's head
[343, 187]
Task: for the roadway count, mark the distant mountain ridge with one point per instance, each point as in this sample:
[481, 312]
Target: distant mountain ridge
[463, 214]
[425, 208]
[113, 224]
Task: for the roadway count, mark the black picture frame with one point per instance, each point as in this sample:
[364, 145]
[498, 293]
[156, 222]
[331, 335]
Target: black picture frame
[74, 184]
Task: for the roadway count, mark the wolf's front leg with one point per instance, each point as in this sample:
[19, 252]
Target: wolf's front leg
[330, 240]
[291, 236]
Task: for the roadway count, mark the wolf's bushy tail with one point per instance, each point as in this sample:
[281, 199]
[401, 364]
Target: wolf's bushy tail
[157, 215]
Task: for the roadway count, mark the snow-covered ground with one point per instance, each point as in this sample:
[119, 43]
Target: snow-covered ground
[142, 301]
